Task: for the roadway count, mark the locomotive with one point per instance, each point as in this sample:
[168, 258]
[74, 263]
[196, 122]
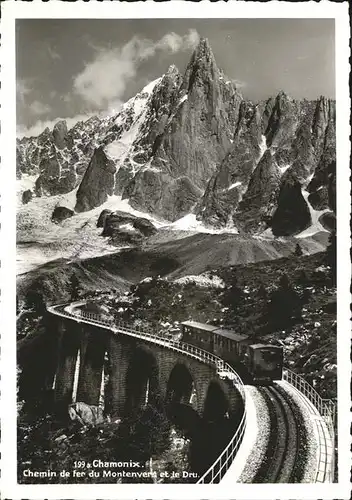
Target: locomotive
[262, 362]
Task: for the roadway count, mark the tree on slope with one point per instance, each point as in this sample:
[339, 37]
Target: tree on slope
[298, 251]
[75, 287]
[285, 304]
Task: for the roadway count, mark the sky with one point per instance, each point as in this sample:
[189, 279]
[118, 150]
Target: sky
[73, 68]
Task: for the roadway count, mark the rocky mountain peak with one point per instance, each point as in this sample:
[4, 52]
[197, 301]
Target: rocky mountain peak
[202, 66]
[282, 95]
[282, 120]
[45, 132]
[61, 125]
[44, 136]
[60, 134]
[97, 183]
[203, 49]
[172, 70]
[324, 111]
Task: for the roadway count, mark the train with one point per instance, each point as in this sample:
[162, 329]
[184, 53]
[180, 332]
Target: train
[261, 362]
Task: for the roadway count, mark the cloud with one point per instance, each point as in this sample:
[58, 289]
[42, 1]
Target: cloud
[40, 125]
[52, 53]
[240, 84]
[106, 77]
[39, 108]
[66, 97]
[22, 89]
[174, 42]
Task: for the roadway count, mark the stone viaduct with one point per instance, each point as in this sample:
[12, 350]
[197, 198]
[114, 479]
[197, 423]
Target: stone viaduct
[136, 371]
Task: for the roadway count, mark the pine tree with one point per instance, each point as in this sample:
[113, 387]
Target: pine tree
[75, 287]
[285, 304]
[298, 251]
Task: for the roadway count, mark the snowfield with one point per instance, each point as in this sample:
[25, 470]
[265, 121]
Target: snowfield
[40, 240]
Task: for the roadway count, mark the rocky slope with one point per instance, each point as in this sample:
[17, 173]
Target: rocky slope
[189, 143]
[248, 190]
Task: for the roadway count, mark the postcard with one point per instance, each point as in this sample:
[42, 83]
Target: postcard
[175, 250]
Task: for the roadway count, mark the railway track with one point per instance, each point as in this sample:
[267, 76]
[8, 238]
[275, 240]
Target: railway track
[281, 463]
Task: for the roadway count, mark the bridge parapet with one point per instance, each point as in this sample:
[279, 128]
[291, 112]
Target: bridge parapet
[327, 410]
[148, 334]
[326, 407]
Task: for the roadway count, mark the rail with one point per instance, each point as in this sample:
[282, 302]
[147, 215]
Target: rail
[219, 468]
[326, 407]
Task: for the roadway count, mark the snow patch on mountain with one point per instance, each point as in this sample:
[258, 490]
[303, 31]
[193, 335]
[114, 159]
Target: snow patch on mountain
[119, 149]
[316, 226]
[136, 108]
[40, 240]
[284, 168]
[149, 88]
[262, 146]
[26, 182]
[204, 280]
[190, 223]
[127, 227]
[148, 166]
[235, 184]
[116, 203]
[69, 200]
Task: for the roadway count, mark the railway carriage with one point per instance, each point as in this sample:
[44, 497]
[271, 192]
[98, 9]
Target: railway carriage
[198, 334]
[228, 344]
[263, 362]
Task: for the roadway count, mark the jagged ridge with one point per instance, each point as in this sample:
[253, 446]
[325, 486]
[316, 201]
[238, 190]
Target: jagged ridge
[192, 143]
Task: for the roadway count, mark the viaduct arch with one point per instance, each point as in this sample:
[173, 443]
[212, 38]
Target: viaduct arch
[138, 371]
